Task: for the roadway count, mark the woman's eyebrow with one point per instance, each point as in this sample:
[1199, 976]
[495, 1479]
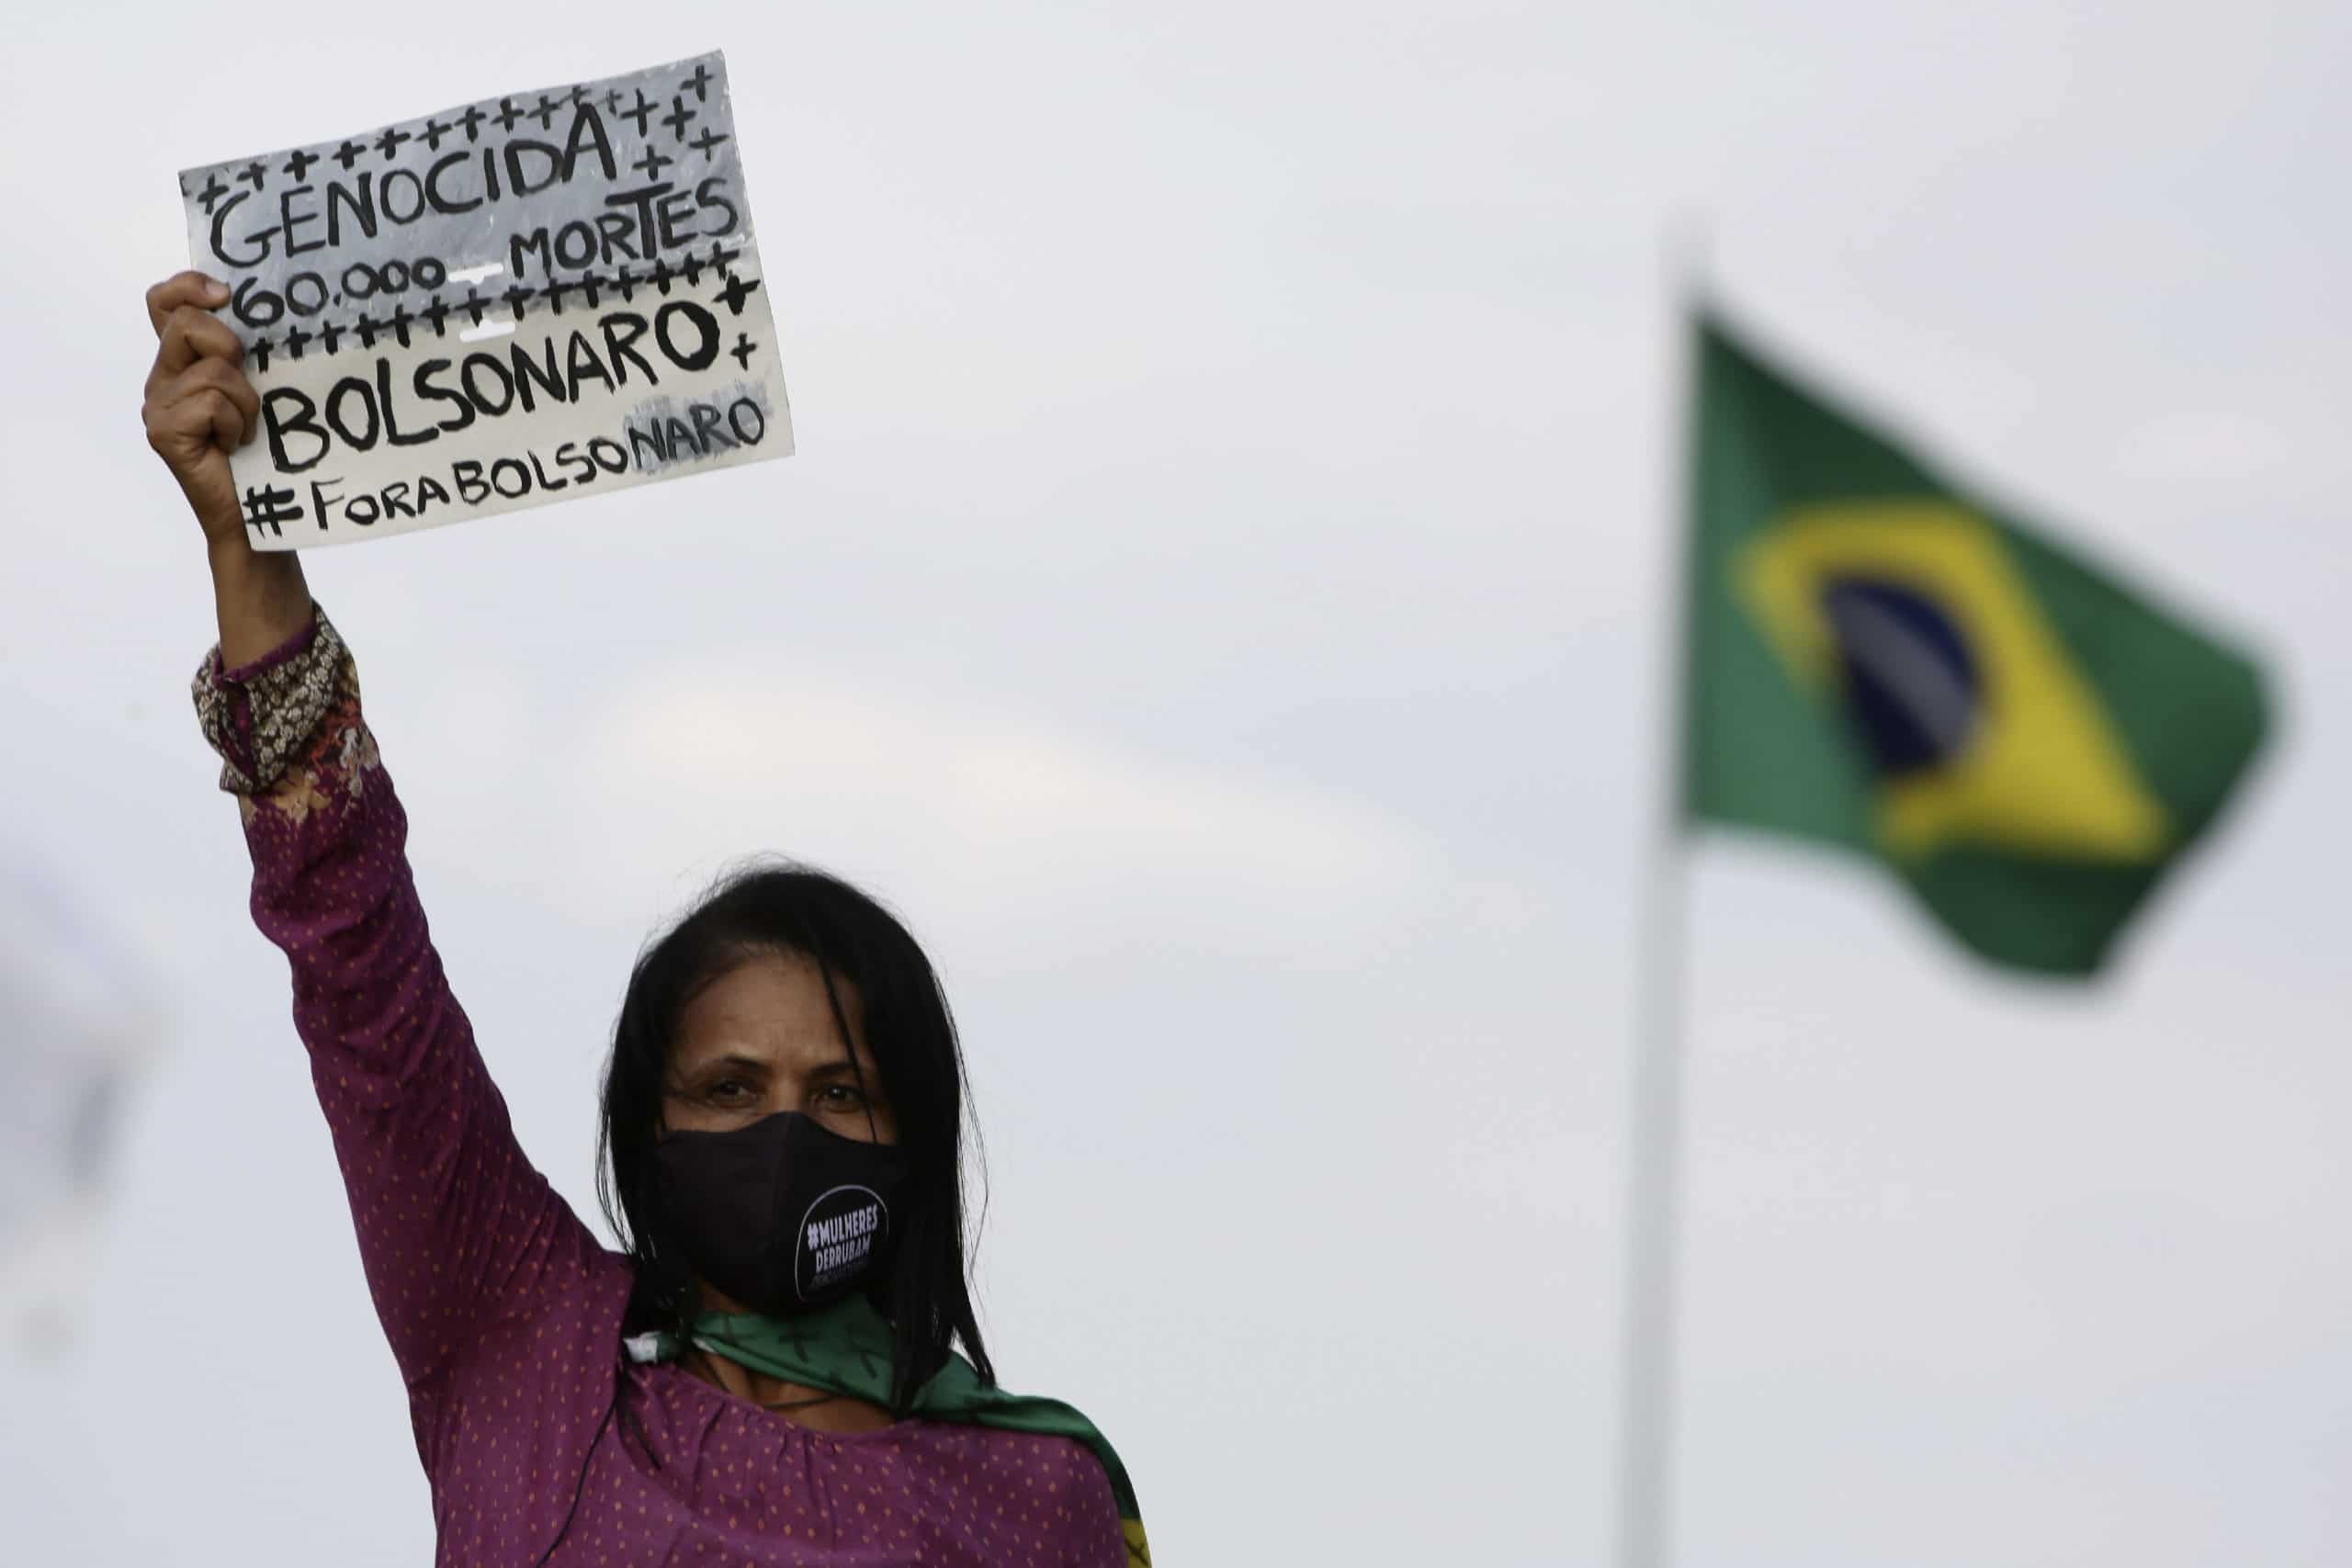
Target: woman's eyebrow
[735, 1059]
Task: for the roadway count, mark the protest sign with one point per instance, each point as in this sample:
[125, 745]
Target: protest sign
[519, 301]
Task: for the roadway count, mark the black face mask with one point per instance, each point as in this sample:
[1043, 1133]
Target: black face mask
[782, 1215]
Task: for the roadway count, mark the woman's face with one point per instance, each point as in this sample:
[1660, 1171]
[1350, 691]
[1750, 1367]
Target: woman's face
[760, 1039]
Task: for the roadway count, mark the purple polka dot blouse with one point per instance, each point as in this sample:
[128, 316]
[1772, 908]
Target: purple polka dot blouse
[503, 1312]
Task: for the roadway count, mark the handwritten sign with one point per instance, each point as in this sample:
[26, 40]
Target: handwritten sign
[514, 302]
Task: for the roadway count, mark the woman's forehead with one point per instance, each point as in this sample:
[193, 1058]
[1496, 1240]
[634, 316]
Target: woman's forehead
[771, 1007]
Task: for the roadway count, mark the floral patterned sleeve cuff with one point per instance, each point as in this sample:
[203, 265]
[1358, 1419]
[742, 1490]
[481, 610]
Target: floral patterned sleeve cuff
[261, 716]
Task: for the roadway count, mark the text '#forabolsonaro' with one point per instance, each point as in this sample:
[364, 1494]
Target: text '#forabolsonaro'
[649, 440]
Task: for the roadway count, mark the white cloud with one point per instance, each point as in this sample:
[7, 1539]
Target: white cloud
[984, 822]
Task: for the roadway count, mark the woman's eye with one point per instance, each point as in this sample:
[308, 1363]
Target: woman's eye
[841, 1097]
[730, 1091]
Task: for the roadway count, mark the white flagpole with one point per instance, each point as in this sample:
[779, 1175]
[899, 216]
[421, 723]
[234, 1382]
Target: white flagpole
[1645, 1414]
[1646, 1417]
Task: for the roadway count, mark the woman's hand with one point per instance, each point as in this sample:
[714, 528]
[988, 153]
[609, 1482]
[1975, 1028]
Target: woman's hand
[200, 406]
[199, 409]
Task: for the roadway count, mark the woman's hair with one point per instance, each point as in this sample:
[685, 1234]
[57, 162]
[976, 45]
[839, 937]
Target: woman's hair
[782, 909]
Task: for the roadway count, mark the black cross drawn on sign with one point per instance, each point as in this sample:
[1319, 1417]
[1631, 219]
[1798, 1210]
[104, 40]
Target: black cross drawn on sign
[640, 111]
[679, 117]
[653, 162]
[736, 292]
[348, 153]
[253, 174]
[708, 144]
[389, 143]
[700, 83]
[213, 189]
[299, 162]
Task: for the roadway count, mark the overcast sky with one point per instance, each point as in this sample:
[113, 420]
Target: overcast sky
[1215, 598]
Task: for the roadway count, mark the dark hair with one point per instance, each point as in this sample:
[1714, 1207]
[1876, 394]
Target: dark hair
[780, 908]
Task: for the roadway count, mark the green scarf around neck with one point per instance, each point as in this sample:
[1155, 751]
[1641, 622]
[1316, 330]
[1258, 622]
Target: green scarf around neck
[845, 1348]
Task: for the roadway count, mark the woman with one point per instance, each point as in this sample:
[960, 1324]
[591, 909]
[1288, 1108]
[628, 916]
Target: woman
[765, 1376]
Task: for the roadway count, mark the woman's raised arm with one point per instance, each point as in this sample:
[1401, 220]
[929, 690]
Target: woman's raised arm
[200, 408]
[461, 1239]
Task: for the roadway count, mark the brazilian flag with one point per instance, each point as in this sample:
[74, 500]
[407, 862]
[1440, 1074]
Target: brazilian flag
[1880, 663]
